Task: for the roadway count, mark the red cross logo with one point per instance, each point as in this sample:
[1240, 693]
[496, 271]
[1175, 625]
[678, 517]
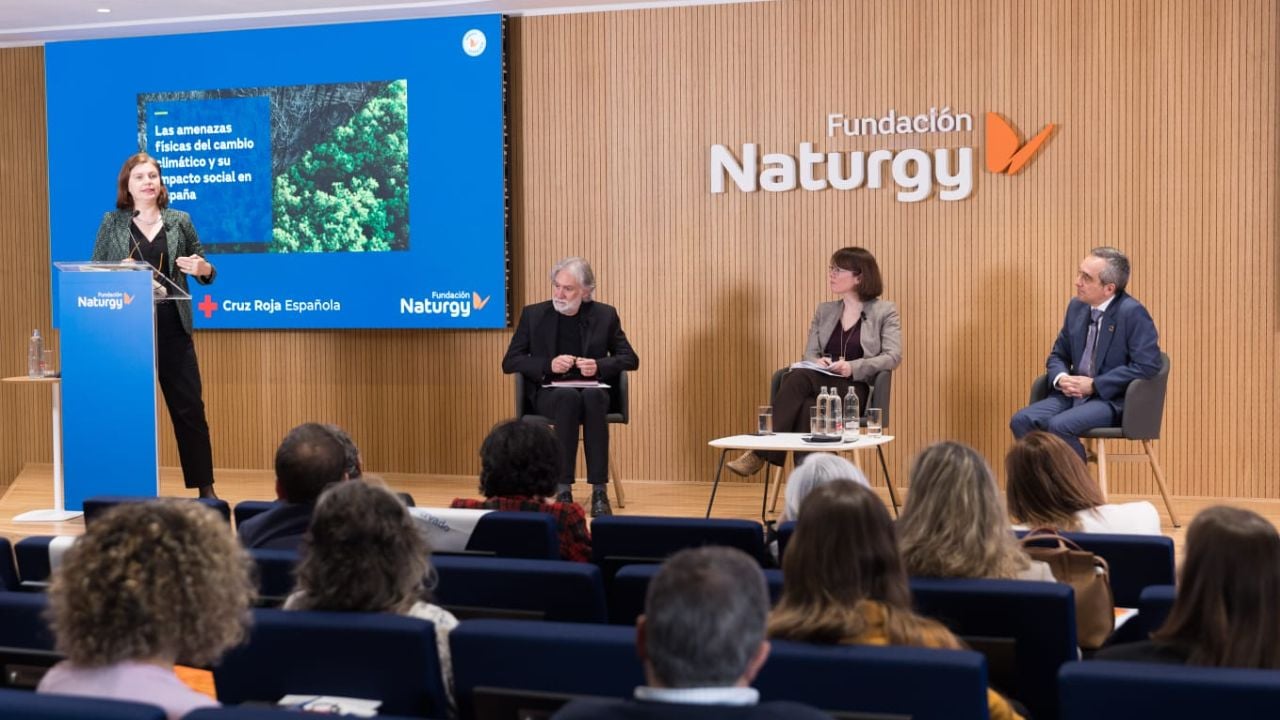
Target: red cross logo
[207, 306]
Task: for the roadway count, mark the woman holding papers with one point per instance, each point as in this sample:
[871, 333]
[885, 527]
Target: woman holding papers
[850, 340]
[565, 348]
[143, 228]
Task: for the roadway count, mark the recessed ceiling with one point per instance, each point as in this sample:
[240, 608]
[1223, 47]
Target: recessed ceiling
[34, 22]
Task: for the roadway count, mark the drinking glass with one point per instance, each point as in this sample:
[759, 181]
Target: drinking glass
[764, 420]
[875, 426]
[46, 364]
[815, 428]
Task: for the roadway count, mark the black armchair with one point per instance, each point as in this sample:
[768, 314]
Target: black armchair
[619, 414]
[1141, 421]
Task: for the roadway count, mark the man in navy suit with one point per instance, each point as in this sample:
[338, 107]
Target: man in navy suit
[573, 338]
[701, 641]
[1107, 341]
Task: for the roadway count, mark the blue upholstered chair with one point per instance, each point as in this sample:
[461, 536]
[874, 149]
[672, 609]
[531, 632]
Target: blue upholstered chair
[9, 578]
[1154, 607]
[516, 535]
[556, 590]
[30, 706]
[920, 683]
[95, 506]
[34, 558]
[1027, 630]
[246, 509]
[378, 656]
[627, 592]
[1136, 561]
[1106, 690]
[22, 623]
[785, 531]
[276, 570]
[620, 540]
[568, 658]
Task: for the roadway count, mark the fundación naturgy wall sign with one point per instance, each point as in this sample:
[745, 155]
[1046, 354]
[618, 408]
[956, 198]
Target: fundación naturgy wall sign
[915, 172]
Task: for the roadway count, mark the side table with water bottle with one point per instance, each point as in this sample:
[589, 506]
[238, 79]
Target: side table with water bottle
[41, 370]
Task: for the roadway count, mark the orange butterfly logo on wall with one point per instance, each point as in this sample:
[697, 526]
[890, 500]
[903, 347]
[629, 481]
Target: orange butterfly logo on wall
[1006, 153]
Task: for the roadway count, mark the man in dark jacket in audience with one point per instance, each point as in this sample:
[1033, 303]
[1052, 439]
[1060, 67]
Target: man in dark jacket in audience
[702, 641]
[309, 460]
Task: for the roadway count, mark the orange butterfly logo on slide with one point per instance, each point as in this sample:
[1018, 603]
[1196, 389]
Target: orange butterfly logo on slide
[1006, 154]
[128, 298]
[478, 301]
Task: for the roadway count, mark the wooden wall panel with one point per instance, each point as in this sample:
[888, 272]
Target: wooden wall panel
[1166, 147]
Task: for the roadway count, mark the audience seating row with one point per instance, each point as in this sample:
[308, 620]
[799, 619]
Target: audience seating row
[864, 680]
[1136, 561]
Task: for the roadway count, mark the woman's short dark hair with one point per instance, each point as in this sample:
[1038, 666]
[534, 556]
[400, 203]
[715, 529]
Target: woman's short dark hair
[519, 458]
[363, 552]
[159, 579]
[862, 263]
[1227, 610]
[124, 201]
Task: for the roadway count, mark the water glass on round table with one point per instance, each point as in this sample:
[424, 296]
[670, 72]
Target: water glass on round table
[875, 426]
[764, 420]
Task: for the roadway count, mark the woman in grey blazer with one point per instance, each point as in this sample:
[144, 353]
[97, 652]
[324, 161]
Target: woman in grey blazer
[143, 228]
[854, 338]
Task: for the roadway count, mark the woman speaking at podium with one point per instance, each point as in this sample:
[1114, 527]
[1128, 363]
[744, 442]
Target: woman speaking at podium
[143, 228]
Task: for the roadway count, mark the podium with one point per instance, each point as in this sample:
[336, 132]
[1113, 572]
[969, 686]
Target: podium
[108, 361]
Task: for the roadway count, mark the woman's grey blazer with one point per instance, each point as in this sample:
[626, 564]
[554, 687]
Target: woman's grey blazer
[881, 336]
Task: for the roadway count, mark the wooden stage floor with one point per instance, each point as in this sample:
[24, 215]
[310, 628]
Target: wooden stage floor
[33, 490]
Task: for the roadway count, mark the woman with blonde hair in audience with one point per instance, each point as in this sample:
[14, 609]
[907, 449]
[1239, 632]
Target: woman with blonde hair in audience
[844, 581]
[1049, 486]
[954, 524]
[148, 585]
[1227, 610]
[363, 553]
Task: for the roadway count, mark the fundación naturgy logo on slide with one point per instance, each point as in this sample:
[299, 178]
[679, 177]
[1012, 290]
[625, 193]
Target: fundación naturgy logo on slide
[474, 42]
[105, 300]
[915, 172]
[454, 303]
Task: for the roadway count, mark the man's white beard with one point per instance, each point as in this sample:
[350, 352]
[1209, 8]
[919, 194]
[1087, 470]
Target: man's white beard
[566, 307]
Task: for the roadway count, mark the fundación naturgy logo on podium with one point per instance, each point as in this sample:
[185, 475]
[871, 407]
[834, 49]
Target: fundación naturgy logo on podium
[104, 300]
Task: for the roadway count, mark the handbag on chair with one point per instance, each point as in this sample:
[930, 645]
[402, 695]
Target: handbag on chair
[1088, 575]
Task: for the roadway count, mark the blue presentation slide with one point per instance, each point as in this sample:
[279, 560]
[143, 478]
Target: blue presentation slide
[339, 176]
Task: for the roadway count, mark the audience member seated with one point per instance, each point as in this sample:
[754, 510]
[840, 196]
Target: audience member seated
[702, 641]
[309, 460]
[816, 469]
[519, 469]
[147, 585]
[352, 462]
[844, 581]
[954, 524]
[1227, 610]
[363, 553]
[1049, 487]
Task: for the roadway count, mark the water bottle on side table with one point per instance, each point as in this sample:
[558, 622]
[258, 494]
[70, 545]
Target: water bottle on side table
[835, 417]
[820, 426]
[852, 430]
[35, 355]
